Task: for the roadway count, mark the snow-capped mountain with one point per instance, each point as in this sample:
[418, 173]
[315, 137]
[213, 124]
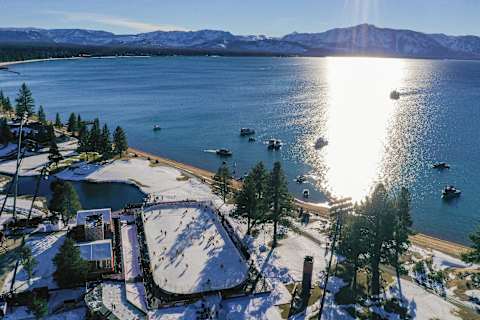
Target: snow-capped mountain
[363, 39]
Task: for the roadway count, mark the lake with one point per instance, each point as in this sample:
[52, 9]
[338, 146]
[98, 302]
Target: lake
[202, 102]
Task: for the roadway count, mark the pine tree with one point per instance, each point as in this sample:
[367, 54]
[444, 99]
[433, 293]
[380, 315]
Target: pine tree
[120, 141]
[379, 213]
[83, 136]
[106, 143]
[221, 182]
[71, 269]
[39, 307]
[28, 261]
[72, 125]
[473, 256]
[8, 105]
[353, 245]
[2, 101]
[50, 133]
[280, 200]
[41, 115]
[5, 134]
[401, 231]
[58, 121]
[94, 143]
[251, 199]
[64, 200]
[24, 101]
[80, 122]
[54, 154]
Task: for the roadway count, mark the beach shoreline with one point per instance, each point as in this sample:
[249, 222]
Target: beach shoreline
[7, 64]
[419, 239]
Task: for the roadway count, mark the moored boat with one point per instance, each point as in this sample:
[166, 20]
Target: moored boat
[450, 192]
[301, 179]
[441, 165]
[274, 144]
[246, 132]
[157, 127]
[306, 193]
[224, 152]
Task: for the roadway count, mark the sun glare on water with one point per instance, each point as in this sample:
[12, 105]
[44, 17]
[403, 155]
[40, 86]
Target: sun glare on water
[359, 111]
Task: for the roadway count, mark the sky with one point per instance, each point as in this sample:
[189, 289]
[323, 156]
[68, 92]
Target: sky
[269, 17]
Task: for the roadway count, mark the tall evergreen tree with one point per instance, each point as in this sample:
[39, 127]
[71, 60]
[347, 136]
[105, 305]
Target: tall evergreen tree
[8, 105]
[28, 261]
[94, 137]
[251, 200]
[83, 136]
[5, 134]
[24, 101]
[58, 121]
[39, 307]
[354, 245]
[64, 200]
[221, 182]
[473, 256]
[72, 125]
[106, 143]
[2, 101]
[54, 154]
[71, 269]
[401, 231]
[120, 141]
[42, 118]
[379, 213]
[279, 199]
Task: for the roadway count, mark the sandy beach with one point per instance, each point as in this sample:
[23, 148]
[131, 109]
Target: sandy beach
[422, 240]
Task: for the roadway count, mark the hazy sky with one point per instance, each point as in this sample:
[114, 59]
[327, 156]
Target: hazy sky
[270, 17]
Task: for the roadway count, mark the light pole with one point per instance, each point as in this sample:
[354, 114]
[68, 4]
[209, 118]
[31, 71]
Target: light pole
[19, 147]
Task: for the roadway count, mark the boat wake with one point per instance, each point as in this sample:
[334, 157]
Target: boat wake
[210, 151]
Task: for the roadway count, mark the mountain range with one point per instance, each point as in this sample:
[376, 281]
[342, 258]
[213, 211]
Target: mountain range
[363, 39]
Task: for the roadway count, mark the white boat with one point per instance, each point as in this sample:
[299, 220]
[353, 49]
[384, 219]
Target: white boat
[306, 193]
[274, 144]
[224, 152]
[157, 127]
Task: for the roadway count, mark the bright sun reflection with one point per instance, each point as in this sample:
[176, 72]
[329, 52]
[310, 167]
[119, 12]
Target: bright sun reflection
[358, 116]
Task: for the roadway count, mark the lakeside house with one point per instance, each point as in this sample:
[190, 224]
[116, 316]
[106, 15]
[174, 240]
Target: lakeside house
[106, 213]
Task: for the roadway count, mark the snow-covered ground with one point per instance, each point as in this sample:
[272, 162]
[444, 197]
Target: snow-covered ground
[114, 298]
[423, 304]
[159, 180]
[135, 290]
[30, 166]
[23, 207]
[44, 249]
[6, 150]
[190, 250]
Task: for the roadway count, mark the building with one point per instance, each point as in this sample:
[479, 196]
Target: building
[98, 253]
[93, 228]
[105, 212]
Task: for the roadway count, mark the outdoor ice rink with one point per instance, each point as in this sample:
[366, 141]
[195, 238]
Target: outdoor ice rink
[190, 251]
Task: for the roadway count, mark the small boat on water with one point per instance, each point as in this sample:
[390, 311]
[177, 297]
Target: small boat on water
[394, 95]
[441, 165]
[301, 179]
[157, 127]
[450, 192]
[246, 132]
[274, 144]
[251, 139]
[306, 193]
[223, 152]
[320, 143]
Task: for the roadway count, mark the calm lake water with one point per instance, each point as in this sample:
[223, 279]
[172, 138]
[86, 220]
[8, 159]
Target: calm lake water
[202, 102]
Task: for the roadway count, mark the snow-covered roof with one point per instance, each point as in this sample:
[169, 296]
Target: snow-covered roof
[83, 214]
[96, 250]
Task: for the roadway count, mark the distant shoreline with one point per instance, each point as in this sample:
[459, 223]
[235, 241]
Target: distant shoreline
[11, 63]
